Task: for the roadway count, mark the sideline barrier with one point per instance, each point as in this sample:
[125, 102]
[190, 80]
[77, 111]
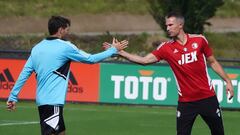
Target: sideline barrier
[155, 85]
[118, 83]
[83, 81]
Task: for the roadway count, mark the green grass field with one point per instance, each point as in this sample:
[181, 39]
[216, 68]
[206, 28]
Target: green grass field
[91, 119]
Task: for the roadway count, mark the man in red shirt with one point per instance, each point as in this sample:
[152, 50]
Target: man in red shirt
[187, 55]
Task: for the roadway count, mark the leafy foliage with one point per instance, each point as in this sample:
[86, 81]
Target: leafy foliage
[196, 13]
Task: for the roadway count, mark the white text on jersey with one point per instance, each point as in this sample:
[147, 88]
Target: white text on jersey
[188, 58]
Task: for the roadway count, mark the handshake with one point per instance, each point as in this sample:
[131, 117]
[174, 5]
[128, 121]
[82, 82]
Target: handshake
[119, 45]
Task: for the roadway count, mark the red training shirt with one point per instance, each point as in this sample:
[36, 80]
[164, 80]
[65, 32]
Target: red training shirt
[188, 63]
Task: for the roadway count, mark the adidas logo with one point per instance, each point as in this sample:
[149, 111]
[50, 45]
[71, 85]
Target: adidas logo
[218, 112]
[178, 114]
[73, 84]
[175, 51]
[6, 80]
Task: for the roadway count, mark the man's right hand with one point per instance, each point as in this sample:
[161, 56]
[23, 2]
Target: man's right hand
[11, 105]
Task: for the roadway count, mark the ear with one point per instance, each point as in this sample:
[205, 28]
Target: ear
[60, 30]
[59, 33]
[181, 25]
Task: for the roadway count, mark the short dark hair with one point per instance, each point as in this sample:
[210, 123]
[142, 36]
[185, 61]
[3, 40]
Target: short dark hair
[176, 14]
[56, 22]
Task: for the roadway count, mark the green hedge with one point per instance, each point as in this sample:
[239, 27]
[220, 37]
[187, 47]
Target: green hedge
[225, 45]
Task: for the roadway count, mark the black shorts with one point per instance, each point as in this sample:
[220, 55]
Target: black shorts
[51, 119]
[207, 108]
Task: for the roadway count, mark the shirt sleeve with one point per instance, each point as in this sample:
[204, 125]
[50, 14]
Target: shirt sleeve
[79, 55]
[207, 51]
[159, 53]
[24, 75]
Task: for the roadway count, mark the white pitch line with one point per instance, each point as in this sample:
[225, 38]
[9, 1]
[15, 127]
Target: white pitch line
[19, 123]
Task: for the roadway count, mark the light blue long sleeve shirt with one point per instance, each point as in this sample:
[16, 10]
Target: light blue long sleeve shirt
[50, 60]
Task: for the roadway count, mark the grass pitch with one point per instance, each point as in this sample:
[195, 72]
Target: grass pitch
[92, 119]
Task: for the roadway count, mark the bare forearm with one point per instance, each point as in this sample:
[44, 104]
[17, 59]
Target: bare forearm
[148, 59]
[219, 70]
[131, 57]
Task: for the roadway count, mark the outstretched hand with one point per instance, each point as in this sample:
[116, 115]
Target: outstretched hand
[115, 43]
[11, 105]
[106, 45]
[229, 90]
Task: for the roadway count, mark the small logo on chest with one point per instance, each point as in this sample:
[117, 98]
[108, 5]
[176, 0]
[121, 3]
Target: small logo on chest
[175, 51]
[194, 45]
[188, 58]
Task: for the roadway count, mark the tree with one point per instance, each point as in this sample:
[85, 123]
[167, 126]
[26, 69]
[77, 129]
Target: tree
[196, 12]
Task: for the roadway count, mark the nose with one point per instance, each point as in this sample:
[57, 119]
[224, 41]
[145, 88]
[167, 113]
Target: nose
[168, 28]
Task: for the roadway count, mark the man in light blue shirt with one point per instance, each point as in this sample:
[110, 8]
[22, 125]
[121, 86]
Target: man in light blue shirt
[50, 60]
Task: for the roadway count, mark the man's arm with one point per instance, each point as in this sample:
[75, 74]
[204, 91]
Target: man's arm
[148, 59]
[24, 75]
[219, 70]
[81, 56]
